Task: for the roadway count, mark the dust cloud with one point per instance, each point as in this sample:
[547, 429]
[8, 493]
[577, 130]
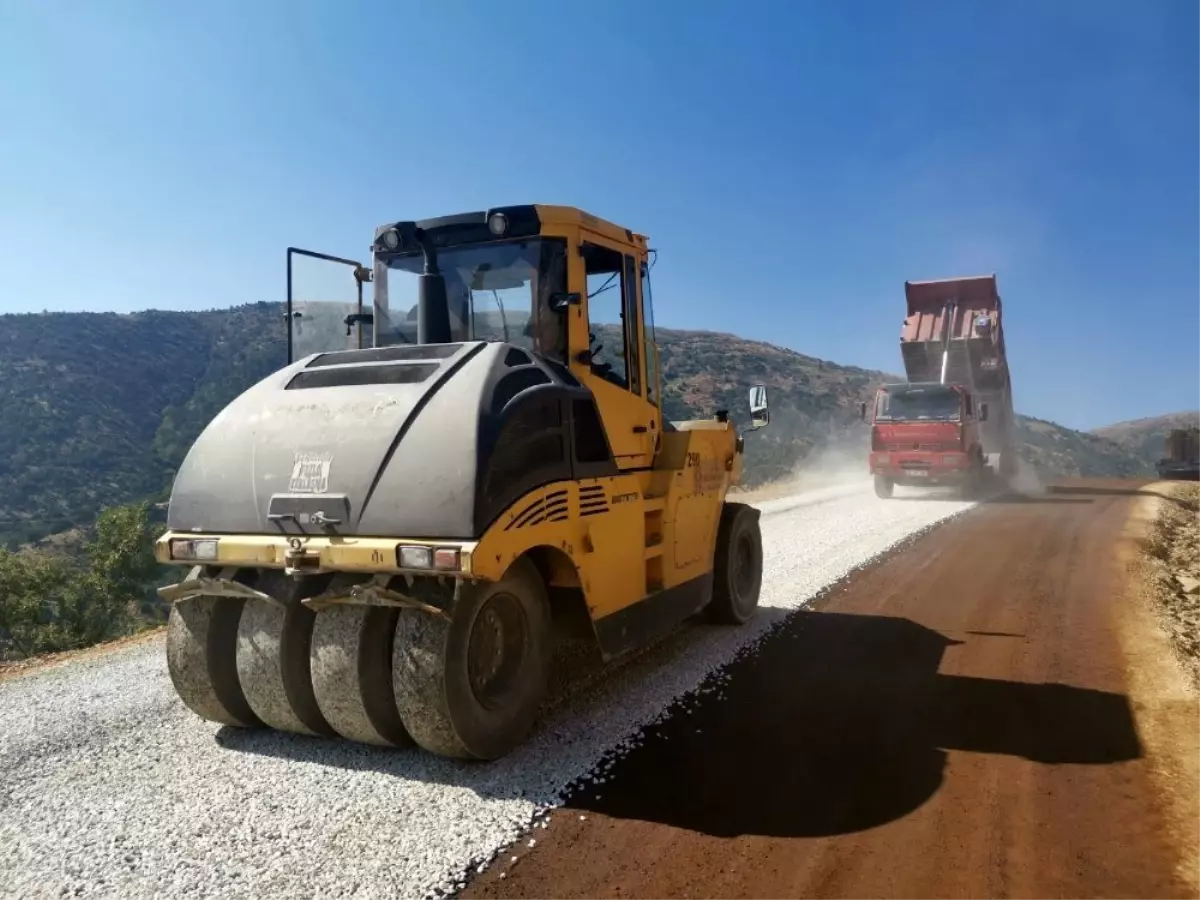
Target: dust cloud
[823, 468]
[1026, 481]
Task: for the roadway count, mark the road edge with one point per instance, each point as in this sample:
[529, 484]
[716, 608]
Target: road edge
[36, 665]
[1166, 706]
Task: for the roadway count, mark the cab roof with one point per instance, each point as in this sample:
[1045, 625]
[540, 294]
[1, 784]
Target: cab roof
[523, 221]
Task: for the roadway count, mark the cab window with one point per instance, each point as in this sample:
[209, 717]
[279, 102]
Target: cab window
[606, 304]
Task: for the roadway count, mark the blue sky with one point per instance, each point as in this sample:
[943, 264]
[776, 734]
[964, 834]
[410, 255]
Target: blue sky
[793, 162]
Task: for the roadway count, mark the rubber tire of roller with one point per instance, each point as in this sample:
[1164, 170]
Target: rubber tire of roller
[201, 649]
[884, 487]
[273, 666]
[351, 665]
[430, 672]
[739, 545]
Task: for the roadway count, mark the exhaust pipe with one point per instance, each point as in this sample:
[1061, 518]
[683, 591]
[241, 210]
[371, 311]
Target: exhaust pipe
[433, 308]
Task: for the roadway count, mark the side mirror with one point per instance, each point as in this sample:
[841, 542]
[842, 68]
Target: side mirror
[862, 411]
[759, 414]
[982, 412]
[354, 318]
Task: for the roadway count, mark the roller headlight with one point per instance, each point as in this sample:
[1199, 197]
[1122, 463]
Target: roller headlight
[415, 557]
[190, 548]
[497, 223]
[439, 559]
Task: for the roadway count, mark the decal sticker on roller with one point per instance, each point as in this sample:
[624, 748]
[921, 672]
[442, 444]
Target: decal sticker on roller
[310, 473]
[707, 475]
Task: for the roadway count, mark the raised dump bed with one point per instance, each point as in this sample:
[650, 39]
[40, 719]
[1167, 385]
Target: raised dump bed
[954, 333]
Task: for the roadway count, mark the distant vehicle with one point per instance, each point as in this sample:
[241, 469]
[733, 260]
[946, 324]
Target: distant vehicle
[951, 423]
[1181, 457]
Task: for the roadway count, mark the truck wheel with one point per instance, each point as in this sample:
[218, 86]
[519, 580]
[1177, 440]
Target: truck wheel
[883, 487]
[470, 687]
[738, 566]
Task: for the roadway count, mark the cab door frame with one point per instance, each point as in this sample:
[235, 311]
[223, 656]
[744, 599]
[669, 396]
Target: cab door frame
[631, 420]
[361, 274]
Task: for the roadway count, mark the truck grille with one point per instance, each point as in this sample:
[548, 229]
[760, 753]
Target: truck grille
[902, 446]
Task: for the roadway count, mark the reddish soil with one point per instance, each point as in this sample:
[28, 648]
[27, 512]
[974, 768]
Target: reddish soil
[953, 722]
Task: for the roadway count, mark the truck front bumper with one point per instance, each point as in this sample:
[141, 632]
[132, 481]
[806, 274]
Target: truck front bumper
[912, 468]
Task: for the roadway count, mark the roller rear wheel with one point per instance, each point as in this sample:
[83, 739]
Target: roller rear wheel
[738, 566]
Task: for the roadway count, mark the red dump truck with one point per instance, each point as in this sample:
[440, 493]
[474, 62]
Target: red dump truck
[1181, 460]
[951, 423]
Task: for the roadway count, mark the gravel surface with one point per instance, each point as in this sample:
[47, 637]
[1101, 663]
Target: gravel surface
[110, 788]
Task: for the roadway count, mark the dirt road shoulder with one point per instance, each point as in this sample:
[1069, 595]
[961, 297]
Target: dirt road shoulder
[1157, 629]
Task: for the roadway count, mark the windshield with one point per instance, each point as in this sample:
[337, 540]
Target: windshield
[903, 404]
[496, 291]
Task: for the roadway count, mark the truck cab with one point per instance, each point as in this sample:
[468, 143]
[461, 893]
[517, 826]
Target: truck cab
[926, 434]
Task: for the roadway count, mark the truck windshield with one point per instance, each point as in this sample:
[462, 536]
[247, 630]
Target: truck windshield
[906, 404]
[497, 292]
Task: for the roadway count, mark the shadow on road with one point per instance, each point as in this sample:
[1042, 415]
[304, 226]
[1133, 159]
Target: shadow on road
[1039, 498]
[1132, 491]
[1007, 634]
[994, 498]
[840, 723]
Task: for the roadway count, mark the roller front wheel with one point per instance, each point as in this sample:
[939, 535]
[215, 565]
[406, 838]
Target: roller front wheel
[201, 659]
[273, 645]
[470, 685]
[351, 665]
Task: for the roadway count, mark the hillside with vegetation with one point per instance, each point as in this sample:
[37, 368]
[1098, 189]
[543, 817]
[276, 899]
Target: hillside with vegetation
[98, 409]
[1054, 451]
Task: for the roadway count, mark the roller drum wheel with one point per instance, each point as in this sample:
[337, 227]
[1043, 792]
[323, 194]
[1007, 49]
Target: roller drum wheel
[201, 659]
[470, 686]
[273, 645]
[738, 566]
[351, 667]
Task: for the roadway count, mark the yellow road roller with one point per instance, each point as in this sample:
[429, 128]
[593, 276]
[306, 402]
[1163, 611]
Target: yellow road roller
[382, 537]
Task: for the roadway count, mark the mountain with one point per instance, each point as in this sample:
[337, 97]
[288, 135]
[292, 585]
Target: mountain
[1144, 438]
[98, 409]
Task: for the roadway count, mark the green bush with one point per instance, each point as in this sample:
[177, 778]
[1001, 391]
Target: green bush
[51, 602]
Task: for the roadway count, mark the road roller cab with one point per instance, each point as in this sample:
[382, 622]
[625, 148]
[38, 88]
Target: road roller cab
[382, 536]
